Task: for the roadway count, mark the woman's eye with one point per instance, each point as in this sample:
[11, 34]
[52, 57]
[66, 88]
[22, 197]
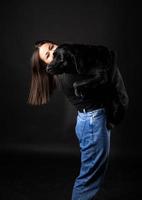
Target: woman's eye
[50, 46]
[47, 55]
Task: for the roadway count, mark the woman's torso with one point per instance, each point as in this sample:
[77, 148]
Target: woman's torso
[93, 97]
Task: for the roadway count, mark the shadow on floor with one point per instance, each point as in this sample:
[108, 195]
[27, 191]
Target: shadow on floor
[51, 177]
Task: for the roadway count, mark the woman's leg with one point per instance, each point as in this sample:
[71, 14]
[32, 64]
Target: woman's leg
[94, 141]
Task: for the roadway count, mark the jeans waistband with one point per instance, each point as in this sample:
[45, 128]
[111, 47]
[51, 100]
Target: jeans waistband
[95, 107]
[95, 112]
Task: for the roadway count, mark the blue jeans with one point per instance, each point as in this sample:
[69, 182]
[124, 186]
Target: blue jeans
[94, 143]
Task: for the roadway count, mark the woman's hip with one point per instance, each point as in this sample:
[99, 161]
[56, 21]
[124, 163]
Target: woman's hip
[91, 127]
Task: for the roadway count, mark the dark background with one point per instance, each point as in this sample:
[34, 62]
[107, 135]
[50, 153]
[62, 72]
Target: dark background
[50, 128]
[115, 24]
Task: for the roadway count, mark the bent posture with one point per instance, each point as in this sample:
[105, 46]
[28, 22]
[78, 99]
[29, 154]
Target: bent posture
[91, 80]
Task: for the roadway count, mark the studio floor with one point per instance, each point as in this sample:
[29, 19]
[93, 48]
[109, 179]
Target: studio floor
[26, 176]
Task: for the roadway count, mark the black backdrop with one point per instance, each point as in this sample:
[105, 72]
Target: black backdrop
[114, 23]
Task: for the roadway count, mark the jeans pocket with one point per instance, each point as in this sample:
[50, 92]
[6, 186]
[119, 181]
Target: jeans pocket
[96, 117]
[79, 128]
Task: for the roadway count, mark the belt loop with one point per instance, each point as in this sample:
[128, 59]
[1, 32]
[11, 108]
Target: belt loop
[84, 110]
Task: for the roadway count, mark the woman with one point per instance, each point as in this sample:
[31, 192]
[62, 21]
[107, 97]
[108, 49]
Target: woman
[93, 84]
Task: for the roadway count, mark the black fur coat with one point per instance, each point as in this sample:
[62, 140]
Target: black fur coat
[99, 64]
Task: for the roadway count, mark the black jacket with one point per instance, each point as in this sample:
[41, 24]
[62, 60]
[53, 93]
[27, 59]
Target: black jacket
[99, 65]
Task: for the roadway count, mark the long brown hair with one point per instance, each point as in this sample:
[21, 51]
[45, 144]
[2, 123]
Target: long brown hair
[42, 83]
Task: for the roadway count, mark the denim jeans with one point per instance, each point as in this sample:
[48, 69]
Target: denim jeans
[94, 142]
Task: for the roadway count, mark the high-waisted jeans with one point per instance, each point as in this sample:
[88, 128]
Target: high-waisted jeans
[94, 143]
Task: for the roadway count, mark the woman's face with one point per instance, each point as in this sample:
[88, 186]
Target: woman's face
[46, 52]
